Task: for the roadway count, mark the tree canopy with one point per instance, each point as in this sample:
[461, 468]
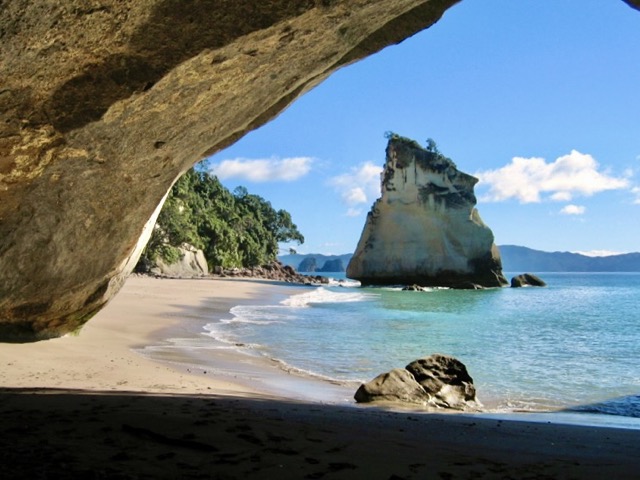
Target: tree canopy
[236, 229]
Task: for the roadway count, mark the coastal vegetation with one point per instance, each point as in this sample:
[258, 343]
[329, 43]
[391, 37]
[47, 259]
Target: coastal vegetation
[233, 229]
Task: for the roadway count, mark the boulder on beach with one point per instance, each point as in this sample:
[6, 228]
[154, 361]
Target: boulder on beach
[438, 381]
[527, 280]
[398, 385]
[445, 378]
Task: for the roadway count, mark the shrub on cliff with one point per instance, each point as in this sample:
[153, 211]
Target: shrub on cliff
[236, 229]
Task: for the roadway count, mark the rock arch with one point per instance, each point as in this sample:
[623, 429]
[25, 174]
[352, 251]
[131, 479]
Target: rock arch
[103, 104]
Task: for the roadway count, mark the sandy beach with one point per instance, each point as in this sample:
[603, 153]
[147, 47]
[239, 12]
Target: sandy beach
[92, 406]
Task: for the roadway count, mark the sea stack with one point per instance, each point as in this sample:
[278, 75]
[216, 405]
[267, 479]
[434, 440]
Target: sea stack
[425, 229]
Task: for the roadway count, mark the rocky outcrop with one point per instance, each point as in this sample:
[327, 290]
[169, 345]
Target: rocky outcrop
[425, 229]
[273, 271]
[335, 265]
[439, 381]
[103, 104]
[191, 263]
[414, 288]
[527, 280]
[308, 265]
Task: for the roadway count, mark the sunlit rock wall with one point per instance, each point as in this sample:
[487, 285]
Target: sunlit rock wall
[104, 103]
[425, 228]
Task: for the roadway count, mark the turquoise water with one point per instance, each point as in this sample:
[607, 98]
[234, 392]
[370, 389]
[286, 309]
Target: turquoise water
[572, 345]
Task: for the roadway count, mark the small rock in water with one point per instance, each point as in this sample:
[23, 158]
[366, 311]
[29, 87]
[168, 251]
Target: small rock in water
[413, 288]
[527, 280]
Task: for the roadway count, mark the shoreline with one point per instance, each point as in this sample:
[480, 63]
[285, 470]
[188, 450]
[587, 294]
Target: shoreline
[92, 404]
[191, 347]
[104, 355]
[151, 339]
[273, 377]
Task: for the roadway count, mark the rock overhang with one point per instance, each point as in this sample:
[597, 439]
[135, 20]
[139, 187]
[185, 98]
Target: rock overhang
[103, 104]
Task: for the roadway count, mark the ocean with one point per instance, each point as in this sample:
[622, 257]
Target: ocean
[572, 346]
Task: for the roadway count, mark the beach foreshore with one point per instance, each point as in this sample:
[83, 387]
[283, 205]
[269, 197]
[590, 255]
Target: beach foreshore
[96, 406]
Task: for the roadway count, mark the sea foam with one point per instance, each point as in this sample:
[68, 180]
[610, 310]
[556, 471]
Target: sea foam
[323, 295]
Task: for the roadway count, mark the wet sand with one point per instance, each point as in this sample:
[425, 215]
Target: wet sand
[90, 406]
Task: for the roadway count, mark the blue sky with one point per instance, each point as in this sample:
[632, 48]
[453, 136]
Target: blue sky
[540, 99]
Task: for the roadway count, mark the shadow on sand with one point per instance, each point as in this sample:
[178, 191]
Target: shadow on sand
[92, 435]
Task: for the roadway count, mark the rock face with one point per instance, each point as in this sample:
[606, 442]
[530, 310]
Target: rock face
[192, 263]
[439, 381]
[425, 229]
[527, 280]
[103, 104]
[273, 271]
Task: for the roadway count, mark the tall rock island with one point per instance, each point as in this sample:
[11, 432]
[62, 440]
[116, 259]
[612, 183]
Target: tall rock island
[425, 228]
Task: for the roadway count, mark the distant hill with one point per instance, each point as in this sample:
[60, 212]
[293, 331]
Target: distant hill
[320, 260]
[520, 259]
[517, 259]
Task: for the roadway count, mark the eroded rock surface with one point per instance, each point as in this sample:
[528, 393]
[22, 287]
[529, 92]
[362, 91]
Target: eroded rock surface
[438, 381]
[104, 103]
[425, 229]
[191, 263]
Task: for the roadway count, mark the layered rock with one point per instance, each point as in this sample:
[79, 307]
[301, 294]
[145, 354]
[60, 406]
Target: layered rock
[439, 381]
[425, 229]
[103, 104]
[191, 263]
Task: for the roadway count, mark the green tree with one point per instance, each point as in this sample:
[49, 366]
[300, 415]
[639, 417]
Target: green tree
[432, 146]
[233, 229]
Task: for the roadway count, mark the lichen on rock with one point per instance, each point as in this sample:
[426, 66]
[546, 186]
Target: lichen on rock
[425, 229]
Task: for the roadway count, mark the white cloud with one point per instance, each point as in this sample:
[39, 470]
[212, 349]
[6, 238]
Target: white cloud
[360, 186]
[561, 196]
[354, 196]
[599, 253]
[529, 179]
[263, 169]
[573, 210]
[636, 191]
[353, 212]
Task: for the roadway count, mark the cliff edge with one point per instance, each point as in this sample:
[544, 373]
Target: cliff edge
[425, 228]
